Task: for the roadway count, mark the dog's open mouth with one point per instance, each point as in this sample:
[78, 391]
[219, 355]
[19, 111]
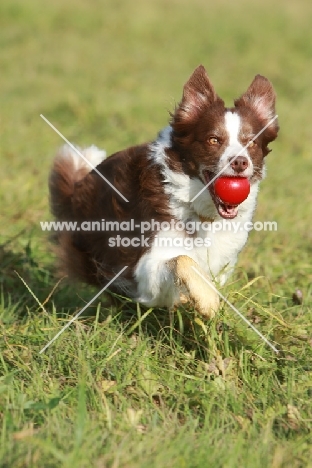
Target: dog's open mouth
[225, 210]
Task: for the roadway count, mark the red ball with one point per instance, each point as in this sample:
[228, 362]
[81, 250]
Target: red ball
[232, 190]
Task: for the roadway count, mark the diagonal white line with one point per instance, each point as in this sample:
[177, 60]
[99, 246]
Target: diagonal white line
[82, 156]
[230, 162]
[80, 312]
[237, 311]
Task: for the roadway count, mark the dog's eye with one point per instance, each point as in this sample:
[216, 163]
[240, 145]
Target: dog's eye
[213, 140]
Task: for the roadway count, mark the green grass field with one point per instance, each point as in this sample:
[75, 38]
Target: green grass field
[123, 386]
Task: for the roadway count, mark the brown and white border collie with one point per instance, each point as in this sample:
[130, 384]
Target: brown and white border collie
[160, 180]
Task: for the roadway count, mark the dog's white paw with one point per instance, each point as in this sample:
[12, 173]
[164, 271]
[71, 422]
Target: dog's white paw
[193, 286]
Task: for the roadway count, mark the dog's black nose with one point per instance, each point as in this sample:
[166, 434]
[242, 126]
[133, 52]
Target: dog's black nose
[239, 163]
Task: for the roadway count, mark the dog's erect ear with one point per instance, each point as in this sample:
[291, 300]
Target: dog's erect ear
[260, 97]
[198, 90]
[198, 93]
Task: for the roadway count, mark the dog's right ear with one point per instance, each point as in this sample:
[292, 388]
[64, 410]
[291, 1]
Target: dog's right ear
[198, 93]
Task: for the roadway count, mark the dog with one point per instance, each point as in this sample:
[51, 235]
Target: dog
[165, 185]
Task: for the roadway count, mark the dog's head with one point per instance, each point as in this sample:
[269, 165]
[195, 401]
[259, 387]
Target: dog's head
[213, 140]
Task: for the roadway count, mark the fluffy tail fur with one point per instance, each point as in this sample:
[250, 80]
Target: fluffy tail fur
[70, 167]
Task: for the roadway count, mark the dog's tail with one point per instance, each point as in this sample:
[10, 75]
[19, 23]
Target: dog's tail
[70, 167]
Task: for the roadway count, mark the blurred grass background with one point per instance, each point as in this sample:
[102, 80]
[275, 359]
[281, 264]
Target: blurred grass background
[107, 72]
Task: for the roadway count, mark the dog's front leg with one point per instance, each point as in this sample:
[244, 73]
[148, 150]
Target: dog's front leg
[204, 297]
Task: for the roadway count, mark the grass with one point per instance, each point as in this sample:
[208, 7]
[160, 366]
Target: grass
[127, 387]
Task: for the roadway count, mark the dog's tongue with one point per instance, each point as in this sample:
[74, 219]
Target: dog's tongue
[227, 211]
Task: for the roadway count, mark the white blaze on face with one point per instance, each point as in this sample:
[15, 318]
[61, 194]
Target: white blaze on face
[232, 124]
[234, 148]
